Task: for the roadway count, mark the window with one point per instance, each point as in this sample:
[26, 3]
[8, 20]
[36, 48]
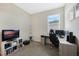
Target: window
[53, 22]
[53, 19]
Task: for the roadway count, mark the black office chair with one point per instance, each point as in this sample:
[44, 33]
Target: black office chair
[54, 40]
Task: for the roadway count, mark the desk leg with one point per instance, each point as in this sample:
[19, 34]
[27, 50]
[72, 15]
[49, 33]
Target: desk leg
[45, 41]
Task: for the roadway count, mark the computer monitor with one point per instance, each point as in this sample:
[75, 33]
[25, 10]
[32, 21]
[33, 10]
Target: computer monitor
[60, 33]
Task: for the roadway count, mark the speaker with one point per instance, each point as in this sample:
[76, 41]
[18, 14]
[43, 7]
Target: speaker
[67, 37]
[71, 37]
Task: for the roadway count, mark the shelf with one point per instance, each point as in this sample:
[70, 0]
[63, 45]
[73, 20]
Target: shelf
[10, 49]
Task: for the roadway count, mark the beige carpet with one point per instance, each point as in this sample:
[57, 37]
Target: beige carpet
[36, 49]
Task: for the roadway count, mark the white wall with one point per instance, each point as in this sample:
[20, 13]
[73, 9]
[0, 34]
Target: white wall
[12, 17]
[68, 23]
[40, 24]
[73, 25]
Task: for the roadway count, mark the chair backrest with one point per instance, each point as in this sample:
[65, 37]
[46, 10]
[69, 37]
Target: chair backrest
[54, 39]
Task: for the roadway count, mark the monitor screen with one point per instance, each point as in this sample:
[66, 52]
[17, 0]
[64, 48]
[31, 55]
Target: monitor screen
[60, 32]
[9, 34]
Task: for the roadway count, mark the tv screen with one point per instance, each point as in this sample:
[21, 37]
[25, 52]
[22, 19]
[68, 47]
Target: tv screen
[9, 34]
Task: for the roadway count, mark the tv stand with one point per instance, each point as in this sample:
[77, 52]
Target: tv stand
[9, 47]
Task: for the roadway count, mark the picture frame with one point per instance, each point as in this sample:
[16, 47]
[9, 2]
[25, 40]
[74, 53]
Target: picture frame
[71, 14]
[77, 10]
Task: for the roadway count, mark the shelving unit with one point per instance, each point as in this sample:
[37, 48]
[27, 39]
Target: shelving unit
[8, 47]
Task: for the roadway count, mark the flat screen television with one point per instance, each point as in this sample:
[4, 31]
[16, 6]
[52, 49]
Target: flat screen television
[8, 35]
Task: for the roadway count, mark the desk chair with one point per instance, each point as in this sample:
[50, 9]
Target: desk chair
[54, 40]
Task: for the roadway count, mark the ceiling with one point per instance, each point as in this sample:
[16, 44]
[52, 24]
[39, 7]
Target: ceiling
[33, 8]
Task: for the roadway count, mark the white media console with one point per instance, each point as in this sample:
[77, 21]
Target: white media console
[9, 47]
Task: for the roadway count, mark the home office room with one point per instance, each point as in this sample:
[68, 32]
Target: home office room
[39, 29]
